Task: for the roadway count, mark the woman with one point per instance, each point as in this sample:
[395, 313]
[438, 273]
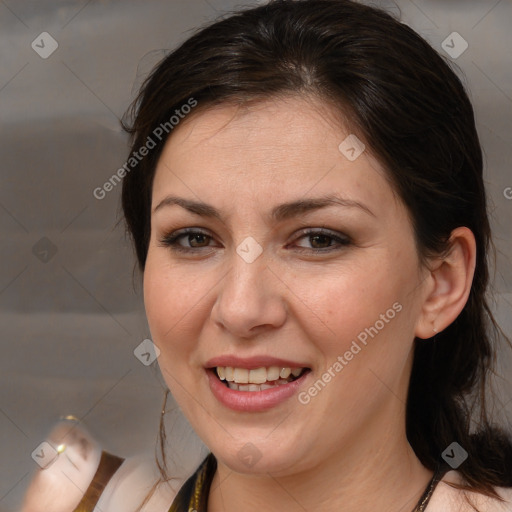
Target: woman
[307, 209]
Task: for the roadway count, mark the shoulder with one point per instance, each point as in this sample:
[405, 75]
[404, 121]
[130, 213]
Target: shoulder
[449, 499]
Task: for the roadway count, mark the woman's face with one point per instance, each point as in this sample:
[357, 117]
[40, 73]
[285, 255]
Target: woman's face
[299, 256]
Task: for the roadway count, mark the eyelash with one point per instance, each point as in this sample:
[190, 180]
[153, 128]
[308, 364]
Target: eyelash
[170, 240]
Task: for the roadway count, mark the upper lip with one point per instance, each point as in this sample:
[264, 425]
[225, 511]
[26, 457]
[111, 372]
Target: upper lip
[251, 363]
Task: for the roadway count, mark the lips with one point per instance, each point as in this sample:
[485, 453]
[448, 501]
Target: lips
[252, 375]
[254, 384]
[251, 363]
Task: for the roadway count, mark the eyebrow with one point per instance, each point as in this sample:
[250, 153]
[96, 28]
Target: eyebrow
[279, 213]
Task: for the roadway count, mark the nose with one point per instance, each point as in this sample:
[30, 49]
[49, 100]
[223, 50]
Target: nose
[251, 298]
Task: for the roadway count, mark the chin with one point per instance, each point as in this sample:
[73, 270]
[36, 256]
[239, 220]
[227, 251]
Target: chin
[260, 456]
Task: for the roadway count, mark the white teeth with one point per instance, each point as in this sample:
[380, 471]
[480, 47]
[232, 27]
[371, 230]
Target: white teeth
[273, 373]
[229, 373]
[285, 373]
[241, 375]
[256, 376]
[256, 387]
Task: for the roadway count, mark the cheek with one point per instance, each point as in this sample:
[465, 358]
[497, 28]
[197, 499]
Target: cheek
[163, 313]
[339, 306]
[365, 314]
[166, 307]
[169, 295]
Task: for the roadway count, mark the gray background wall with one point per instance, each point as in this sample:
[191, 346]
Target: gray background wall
[70, 317]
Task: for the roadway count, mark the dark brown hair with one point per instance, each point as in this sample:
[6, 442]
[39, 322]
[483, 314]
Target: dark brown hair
[410, 108]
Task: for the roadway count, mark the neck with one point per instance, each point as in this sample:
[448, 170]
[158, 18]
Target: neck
[380, 472]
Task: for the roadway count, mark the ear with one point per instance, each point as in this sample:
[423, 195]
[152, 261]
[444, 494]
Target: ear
[450, 279]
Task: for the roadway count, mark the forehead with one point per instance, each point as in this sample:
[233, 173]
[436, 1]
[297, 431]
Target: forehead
[281, 147]
[289, 127]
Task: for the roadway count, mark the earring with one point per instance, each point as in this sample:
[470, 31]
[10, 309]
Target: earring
[162, 438]
[166, 396]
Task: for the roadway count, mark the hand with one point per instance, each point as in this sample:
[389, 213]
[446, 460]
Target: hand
[60, 486]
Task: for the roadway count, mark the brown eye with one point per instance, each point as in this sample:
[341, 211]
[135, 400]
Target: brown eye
[199, 238]
[193, 238]
[324, 241]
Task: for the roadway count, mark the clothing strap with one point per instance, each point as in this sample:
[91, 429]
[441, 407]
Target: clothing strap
[439, 472]
[193, 494]
[109, 464]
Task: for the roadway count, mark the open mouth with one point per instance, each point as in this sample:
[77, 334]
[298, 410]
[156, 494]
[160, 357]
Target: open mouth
[258, 379]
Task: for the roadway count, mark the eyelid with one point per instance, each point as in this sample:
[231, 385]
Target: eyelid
[170, 239]
[341, 238]
[322, 231]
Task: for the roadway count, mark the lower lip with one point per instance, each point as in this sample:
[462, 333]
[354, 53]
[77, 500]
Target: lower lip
[253, 401]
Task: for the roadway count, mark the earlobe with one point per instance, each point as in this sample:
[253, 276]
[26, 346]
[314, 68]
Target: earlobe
[451, 276]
